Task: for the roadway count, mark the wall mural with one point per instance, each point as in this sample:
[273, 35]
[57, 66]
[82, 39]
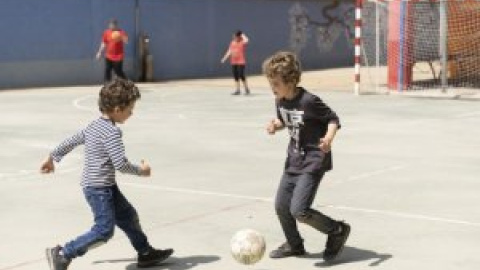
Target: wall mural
[326, 25]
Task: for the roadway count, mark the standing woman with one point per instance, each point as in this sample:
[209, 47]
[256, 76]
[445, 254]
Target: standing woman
[236, 53]
[113, 42]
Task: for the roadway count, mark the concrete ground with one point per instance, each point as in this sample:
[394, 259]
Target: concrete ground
[405, 177]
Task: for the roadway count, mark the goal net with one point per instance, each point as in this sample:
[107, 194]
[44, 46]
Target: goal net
[419, 45]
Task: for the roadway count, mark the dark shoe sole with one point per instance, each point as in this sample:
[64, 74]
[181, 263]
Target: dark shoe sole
[154, 262]
[333, 257]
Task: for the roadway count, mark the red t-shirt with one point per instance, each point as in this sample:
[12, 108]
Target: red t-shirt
[237, 50]
[114, 49]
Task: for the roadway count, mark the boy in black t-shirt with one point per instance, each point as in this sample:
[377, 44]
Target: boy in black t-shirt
[312, 126]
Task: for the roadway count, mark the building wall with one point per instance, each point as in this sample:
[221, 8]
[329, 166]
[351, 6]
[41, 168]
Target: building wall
[53, 42]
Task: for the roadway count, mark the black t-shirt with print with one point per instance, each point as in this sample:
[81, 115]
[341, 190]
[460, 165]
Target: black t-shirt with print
[307, 118]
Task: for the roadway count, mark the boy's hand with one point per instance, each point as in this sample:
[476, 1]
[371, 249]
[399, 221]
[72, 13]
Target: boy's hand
[273, 126]
[145, 169]
[325, 144]
[48, 166]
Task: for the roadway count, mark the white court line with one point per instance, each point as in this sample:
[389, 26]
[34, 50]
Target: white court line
[369, 174]
[199, 192]
[466, 115]
[270, 200]
[403, 215]
[76, 103]
[32, 174]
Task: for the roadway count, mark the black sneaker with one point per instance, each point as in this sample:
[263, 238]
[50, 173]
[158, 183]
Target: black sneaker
[153, 257]
[336, 242]
[285, 250]
[236, 93]
[55, 260]
[247, 92]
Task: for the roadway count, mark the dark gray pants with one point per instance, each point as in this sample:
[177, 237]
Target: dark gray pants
[294, 199]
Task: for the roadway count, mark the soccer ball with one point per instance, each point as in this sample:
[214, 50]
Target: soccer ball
[248, 246]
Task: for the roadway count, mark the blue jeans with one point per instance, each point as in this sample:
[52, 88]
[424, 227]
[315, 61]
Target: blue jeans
[109, 208]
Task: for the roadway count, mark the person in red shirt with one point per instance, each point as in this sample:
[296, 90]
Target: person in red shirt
[236, 53]
[113, 43]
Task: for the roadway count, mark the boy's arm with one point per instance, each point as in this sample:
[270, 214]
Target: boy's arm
[67, 146]
[245, 38]
[275, 124]
[323, 112]
[226, 56]
[102, 45]
[100, 50]
[62, 150]
[326, 142]
[116, 151]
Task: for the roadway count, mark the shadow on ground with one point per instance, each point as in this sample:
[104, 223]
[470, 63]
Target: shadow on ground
[352, 255]
[179, 263]
[172, 263]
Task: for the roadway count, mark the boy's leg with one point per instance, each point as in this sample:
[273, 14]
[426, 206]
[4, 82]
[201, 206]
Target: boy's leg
[127, 220]
[108, 70]
[282, 207]
[302, 200]
[236, 77]
[244, 79]
[118, 68]
[101, 203]
[303, 196]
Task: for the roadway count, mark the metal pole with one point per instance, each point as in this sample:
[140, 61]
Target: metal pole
[444, 43]
[377, 46]
[135, 40]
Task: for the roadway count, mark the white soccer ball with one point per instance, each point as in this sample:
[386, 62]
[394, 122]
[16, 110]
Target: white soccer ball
[248, 246]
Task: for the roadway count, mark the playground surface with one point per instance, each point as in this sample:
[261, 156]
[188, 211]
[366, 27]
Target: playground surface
[405, 177]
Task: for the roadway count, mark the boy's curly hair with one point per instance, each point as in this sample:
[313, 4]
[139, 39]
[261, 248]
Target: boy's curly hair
[117, 93]
[284, 65]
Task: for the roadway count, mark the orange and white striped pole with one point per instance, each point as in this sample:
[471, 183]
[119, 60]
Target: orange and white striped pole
[358, 41]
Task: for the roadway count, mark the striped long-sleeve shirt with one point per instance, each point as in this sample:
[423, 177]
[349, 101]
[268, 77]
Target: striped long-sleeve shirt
[104, 153]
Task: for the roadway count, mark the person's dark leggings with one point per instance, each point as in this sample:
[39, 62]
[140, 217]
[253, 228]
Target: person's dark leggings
[116, 66]
[294, 199]
[238, 72]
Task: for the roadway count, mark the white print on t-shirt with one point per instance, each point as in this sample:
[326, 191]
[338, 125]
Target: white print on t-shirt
[293, 121]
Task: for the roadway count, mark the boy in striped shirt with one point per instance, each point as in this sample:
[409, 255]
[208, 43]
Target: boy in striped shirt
[104, 154]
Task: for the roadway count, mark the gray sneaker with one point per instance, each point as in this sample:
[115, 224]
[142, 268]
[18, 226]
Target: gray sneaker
[55, 260]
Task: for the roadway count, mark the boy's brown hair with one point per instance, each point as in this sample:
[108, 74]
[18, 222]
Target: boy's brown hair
[284, 65]
[117, 93]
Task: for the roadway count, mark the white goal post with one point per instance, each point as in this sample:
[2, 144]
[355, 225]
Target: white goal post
[411, 45]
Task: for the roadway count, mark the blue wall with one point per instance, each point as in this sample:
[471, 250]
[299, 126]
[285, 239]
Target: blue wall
[53, 42]
[189, 37]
